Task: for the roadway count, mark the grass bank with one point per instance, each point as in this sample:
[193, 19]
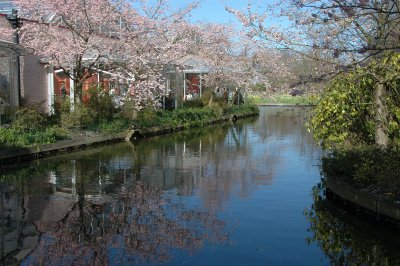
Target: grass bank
[284, 99]
[189, 117]
[46, 130]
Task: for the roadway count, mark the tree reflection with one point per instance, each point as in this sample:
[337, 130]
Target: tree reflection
[119, 204]
[139, 226]
[347, 239]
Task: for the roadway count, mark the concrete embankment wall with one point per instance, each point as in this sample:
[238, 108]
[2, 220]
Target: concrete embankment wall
[378, 207]
[17, 155]
[12, 156]
[153, 131]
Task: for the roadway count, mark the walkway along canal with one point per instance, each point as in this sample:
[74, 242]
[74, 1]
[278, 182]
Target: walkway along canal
[248, 193]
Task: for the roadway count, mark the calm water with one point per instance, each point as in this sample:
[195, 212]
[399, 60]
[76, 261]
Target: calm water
[243, 194]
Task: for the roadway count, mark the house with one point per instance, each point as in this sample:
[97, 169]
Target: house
[9, 89]
[43, 84]
[185, 78]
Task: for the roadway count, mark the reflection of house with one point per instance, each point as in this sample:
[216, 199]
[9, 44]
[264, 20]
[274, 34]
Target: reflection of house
[186, 83]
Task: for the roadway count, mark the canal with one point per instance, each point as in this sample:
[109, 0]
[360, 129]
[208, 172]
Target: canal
[248, 193]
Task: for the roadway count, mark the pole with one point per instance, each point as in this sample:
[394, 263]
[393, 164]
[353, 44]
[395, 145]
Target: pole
[16, 23]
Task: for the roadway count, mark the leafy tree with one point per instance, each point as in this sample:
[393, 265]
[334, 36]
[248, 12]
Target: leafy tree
[346, 112]
[343, 34]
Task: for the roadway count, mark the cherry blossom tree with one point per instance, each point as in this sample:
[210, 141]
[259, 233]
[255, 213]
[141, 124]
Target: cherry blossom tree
[131, 40]
[340, 34]
[159, 43]
[76, 36]
[235, 60]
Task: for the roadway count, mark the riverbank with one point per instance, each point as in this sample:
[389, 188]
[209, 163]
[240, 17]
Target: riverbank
[368, 202]
[284, 105]
[10, 156]
[221, 170]
[284, 100]
[368, 177]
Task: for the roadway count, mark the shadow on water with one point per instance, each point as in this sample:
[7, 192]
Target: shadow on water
[349, 238]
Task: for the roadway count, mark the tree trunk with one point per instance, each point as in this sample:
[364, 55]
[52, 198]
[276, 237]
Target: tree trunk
[211, 100]
[78, 92]
[381, 116]
[135, 114]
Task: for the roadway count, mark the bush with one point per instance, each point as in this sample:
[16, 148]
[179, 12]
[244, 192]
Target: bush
[259, 87]
[187, 117]
[365, 167]
[128, 110]
[242, 109]
[13, 137]
[148, 117]
[197, 103]
[80, 118]
[31, 126]
[29, 118]
[217, 108]
[100, 104]
[206, 96]
[98, 109]
[113, 126]
[346, 111]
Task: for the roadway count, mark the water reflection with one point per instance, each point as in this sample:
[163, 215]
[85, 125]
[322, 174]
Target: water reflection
[109, 206]
[348, 239]
[80, 223]
[136, 203]
[141, 226]
[230, 194]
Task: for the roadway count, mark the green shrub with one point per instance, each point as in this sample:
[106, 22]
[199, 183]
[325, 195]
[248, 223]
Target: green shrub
[113, 126]
[187, 117]
[99, 108]
[346, 110]
[100, 104]
[216, 108]
[148, 117]
[345, 113]
[14, 137]
[31, 126]
[128, 111]
[28, 119]
[365, 167]
[242, 109]
[259, 87]
[80, 118]
[197, 103]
